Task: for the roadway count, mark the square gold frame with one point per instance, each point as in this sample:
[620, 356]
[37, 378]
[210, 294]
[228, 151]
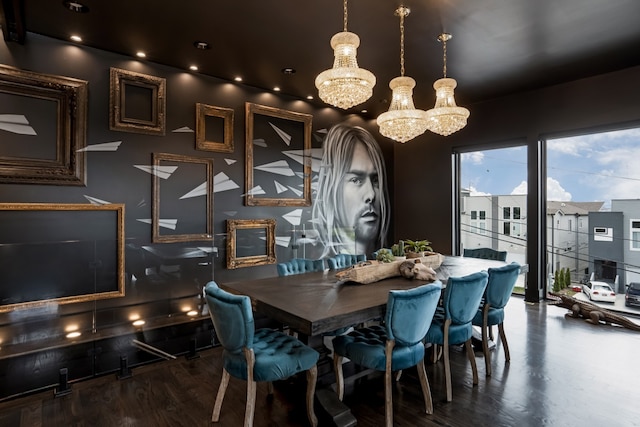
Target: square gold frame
[235, 261]
[207, 235]
[68, 139]
[202, 112]
[120, 119]
[254, 111]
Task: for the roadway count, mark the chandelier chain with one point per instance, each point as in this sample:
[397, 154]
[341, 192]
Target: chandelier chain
[346, 15]
[402, 15]
[444, 57]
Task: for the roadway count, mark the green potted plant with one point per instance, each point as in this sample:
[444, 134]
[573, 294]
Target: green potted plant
[416, 248]
[398, 251]
[384, 255]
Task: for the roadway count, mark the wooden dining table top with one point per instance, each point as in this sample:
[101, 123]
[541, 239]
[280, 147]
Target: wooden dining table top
[317, 303]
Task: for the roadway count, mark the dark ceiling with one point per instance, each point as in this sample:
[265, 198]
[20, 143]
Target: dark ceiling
[498, 46]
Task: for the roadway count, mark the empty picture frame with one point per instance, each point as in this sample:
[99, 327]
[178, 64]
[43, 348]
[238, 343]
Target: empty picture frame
[278, 156]
[214, 128]
[250, 242]
[60, 254]
[42, 128]
[137, 102]
[182, 198]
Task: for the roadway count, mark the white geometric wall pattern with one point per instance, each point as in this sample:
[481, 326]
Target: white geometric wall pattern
[293, 217]
[282, 134]
[163, 172]
[184, 129]
[16, 123]
[221, 182]
[104, 146]
[166, 223]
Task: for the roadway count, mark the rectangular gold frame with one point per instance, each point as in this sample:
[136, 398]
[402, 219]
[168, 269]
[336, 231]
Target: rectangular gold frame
[253, 110]
[118, 118]
[70, 96]
[207, 235]
[119, 209]
[234, 261]
[202, 111]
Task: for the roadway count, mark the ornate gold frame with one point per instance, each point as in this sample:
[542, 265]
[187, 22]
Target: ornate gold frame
[269, 227]
[252, 112]
[70, 98]
[207, 235]
[119, 237]
[202, 112]
[119, 119]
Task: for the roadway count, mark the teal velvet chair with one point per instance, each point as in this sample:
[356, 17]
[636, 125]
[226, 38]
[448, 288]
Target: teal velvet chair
[394, 346]
[300, 266]
[452, 322]
[255, 355]
[344, 260]
[491, 311]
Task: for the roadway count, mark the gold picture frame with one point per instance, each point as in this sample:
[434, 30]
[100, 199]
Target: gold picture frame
[137, 102]
[203, 113]
[187, 175]
[43, 138]
[243, 242]
[79, 259]
[277, 128]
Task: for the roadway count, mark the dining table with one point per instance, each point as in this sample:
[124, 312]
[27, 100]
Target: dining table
[317, 303]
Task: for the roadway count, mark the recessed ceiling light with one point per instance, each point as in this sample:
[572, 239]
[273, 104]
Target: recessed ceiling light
[192, 313]
[309, 96]
[76, 38]
[74, 334]
[238, 79]
[74, 6]
[138, 322]
[276, 89]
[141, 54]
[288, 70]
[201, 45]
[193, 67]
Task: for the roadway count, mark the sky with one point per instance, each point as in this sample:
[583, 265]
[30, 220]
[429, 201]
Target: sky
[586, 168]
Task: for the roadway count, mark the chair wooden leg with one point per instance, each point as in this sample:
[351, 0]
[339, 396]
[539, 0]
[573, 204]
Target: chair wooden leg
[426, 390]
[251, 388]
[398, 375]
[472, 359]
[269, 388]
[503, 338]
[485, 351]
[312, 377]
[222, 389]
[388, 391]
[337, 367]
[447, 371]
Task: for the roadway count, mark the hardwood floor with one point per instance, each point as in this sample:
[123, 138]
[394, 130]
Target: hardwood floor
[563, 372]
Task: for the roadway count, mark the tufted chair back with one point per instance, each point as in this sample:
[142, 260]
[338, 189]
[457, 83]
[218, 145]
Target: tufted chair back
[255, 355]
[486, 253]
[299, 266]
[344, 260]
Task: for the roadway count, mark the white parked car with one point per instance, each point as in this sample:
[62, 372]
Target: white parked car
[599, 291]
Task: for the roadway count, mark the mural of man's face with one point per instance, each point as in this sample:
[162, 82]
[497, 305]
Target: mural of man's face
[361, 197]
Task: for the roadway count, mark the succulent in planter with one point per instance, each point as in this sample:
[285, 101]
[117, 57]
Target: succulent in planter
[385, 255]
[416, 248]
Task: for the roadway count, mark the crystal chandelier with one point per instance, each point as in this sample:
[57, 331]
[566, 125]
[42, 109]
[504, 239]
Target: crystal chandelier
[446, 117]
[345, 85]
[403, 121]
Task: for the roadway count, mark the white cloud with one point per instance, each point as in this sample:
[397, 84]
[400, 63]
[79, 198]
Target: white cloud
[554, 190]
[475, 158]
[473, 191]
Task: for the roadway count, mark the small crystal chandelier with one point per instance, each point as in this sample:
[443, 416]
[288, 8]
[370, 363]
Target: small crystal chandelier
[345, 85]
[403, 121]
[446, 117]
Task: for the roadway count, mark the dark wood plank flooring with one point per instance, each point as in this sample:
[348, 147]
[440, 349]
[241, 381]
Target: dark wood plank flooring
[563, 372]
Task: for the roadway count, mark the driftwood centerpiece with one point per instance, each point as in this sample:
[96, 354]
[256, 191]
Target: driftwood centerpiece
[372, 271]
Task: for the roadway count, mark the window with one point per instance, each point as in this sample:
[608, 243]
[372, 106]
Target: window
[635, 235]
[570, 225]
[483, 215]
[506, 213]
[507, 228]
[474, 214]
[516, 213]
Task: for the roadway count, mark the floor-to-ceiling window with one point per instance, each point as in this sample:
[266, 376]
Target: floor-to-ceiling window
[492, 202]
